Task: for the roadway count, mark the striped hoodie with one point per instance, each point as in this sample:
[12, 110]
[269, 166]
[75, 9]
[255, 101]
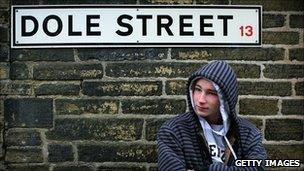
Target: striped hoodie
[181, 143]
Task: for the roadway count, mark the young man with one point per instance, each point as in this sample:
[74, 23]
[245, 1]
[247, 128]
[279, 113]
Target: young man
[210, 136]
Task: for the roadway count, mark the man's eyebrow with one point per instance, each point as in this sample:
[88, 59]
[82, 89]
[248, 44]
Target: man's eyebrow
[211, 89]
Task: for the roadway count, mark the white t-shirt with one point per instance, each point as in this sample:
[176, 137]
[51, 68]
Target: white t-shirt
[215, 140]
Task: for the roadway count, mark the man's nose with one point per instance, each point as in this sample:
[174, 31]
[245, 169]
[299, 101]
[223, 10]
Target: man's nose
[202, 98]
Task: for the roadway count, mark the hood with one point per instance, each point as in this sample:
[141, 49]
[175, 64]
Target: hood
[222, 75]
[225, 82]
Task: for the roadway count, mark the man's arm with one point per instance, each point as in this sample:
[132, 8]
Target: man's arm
[170, 154]
[256, 151]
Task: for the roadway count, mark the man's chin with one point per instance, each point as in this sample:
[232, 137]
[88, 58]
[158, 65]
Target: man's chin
[201, 114]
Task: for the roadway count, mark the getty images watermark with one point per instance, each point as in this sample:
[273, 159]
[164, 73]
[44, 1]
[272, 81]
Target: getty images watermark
[268, 163]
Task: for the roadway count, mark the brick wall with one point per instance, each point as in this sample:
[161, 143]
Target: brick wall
[99, 109]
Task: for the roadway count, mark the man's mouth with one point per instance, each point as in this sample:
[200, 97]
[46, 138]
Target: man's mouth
[202, 108]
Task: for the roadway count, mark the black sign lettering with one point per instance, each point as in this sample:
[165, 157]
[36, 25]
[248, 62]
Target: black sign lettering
[182, 25]
[70, 25]
[225, 23]
[166, 26]
[203, 25]
[90, 25]
[144, 22]
[23, 26]
[122, 24]
[45, 25]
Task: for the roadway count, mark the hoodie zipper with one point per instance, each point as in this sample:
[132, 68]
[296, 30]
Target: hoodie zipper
[205, 150]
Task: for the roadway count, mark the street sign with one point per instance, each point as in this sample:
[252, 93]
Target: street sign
[135, 25]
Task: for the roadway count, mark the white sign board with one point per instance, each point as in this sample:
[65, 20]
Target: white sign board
[135, 25]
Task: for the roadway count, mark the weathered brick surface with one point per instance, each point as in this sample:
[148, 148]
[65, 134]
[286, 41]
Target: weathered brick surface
[299, 88]
[84, 106]
[273, 20]
[4, 16]
[250, 54]
[2, 166]
[2, 152]
[73, 168]
[171, 70]
[111, 129]
[287, 38]
[29, 2]
[4, 3]
[290, 71]
[152, 127]
[258, 107]
[22, 138]
[27, 167]
[195, 53]
[201, 2]
[284, 129]
[296, 54]
[67, 71]
[20, 112]
[285, 152]
[4, 53]
[273, 5]
[1, 124]
[126, 88]
[207, 2]
[15, 88]
[57, 89]
[119, 54]
[60, 153]
[293, 107]
[246, 70]
[42, 55]
[1, 134]
[152, 69]
[1, 107]
[24, 155]
[153, 106]
[4, 71]
[176, 87]
[153, 168]
[180, 2]
[265, 88]
[19, 71]
[4, 34]
[296, 21]
[89, 2]
[118, 153]
[122, 168]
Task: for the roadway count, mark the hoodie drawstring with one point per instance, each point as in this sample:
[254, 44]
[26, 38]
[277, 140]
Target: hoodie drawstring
[230, 147]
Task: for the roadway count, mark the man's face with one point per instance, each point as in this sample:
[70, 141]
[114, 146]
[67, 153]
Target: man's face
[206, 100]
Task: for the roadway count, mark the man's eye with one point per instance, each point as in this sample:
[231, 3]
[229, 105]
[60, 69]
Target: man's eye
[197, 89]
[212, 93]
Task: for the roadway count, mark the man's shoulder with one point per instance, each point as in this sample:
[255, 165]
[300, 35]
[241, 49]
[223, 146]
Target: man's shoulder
[247, 126]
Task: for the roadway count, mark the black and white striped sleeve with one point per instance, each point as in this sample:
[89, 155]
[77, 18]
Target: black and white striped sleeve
[170, 153]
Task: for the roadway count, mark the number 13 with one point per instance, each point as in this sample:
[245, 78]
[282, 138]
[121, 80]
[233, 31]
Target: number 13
[248, 30]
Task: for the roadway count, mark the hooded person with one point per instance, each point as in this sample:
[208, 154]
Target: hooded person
[210, 136]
